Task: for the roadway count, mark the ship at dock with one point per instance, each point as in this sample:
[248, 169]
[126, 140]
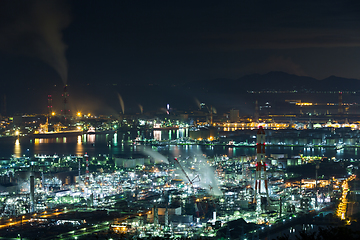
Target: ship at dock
[47, 130]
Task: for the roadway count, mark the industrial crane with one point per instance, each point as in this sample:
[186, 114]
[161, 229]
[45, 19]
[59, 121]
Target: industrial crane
[192, 186]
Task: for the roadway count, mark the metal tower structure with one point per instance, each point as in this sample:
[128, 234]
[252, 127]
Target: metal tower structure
[192, 186]
[50, 105]
[79, 169]
[156, 216]
[65, 111]
[32, 193]
[260, 174]
[87, 167]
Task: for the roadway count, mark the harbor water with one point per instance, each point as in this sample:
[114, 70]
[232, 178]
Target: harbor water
[121, 143]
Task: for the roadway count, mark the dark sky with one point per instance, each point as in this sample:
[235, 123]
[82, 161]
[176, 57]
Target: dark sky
[177, 41]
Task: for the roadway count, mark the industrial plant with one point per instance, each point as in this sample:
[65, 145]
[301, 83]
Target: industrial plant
[187, 194]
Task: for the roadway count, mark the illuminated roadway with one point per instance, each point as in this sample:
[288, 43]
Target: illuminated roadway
[74, 234]
[81, 232]
[15, 222]
[29, 218]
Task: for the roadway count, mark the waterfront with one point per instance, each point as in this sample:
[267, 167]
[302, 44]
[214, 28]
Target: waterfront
[108, 180]
[122, 144]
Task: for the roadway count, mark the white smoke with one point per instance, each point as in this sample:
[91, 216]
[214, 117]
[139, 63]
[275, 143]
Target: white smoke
[34, 28]
[206, 174]
[141, 108]
[158, 158]
[197, 103]
[121, 103]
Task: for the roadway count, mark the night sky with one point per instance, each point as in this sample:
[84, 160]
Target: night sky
[158, 42]
[181, 41]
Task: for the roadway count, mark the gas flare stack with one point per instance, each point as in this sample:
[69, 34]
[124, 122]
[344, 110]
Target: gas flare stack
[260, 174]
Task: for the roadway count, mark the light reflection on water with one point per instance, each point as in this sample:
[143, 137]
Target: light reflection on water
[118, 144]
[17, 148]
[79, 146]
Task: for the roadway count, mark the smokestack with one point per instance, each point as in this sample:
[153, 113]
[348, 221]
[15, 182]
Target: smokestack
[260, 173]
[166, 218]
[87, 167]
[43, 180]
[79, 169]
[50, 105]
[32, 193]
[340, 107]
[65, 110]
[156, 216]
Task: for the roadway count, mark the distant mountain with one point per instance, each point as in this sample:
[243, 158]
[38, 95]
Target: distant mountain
[222, 94]
[334, 83]
[279, 81]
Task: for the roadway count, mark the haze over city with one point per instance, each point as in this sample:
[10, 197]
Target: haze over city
[146, 42]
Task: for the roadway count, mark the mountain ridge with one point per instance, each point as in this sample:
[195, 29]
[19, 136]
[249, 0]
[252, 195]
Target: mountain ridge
[277, 80]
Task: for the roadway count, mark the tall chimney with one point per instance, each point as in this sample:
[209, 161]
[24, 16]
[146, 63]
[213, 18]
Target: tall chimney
[65, 110]
[32, 193]
[50, 105]
[340, 106]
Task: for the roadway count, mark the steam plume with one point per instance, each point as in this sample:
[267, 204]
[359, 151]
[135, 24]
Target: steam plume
[158, 158]
[141, 108]
[206, 174]
[121, 103]
[34, 28]
[214, 110]
[197, 103]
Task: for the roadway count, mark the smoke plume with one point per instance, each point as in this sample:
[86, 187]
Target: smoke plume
[197, 103]
[141, 108]
[121, 103]
[34, 28]
[158, 158]
[206, 173]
